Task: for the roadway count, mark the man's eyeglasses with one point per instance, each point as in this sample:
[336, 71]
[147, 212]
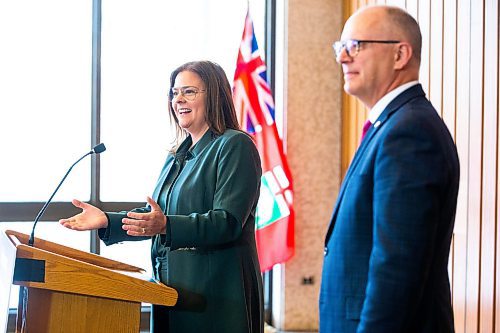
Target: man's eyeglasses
[352, 46]
[189, 93]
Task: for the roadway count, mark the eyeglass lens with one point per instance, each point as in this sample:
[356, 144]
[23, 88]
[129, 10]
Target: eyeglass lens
[351, 47]
[189, 93]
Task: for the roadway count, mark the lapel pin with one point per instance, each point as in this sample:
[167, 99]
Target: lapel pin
[377, 124]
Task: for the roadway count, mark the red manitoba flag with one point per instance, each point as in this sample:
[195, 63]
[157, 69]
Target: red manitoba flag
[255, 108]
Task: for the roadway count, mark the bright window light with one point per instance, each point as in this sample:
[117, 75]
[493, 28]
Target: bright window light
[142, 43]
[45, 66]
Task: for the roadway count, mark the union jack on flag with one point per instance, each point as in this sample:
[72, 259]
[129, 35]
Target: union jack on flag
[255, 108]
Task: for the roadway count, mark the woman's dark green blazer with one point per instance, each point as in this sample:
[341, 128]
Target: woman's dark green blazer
[209, 194]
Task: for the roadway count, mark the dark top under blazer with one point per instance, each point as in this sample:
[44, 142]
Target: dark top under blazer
[209, 194]
[387, 245]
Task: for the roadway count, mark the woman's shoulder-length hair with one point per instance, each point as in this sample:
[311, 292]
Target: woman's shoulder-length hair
[220, 111]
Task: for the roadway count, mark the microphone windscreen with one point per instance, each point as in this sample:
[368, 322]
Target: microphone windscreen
[99, 148]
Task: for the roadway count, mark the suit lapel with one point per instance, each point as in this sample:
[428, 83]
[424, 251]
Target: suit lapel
[396, 104]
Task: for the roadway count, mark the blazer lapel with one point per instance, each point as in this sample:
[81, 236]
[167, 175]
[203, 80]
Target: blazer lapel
[396, 104]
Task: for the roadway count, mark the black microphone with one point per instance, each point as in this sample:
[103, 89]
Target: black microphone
[96, 150]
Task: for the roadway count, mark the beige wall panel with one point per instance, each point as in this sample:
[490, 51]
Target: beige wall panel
[313, 134]
[412, 7]
[490, 147]
[449, 83]
[435, 92]
[475, 170]
[464, 309]
[449, 97]
[424, 20]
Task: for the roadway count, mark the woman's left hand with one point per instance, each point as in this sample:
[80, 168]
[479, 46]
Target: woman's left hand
[146, 224]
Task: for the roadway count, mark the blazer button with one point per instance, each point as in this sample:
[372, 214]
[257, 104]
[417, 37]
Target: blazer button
[325, 251]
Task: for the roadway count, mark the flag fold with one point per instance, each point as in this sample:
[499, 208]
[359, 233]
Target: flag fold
[255, 108]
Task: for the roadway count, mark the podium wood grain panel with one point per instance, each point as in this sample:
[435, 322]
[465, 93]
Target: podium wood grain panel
[58, 312]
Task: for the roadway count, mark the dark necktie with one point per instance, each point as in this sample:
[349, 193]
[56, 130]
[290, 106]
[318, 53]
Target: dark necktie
[366, 127]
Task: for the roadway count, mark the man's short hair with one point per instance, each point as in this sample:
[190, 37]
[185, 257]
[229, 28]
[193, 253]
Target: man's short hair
[408, 27]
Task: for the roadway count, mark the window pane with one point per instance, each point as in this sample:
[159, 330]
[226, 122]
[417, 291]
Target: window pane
[142, 42]
[132, 253]
[50, 231]
[45, 78]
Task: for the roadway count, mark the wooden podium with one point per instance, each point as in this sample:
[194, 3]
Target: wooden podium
[67, 290]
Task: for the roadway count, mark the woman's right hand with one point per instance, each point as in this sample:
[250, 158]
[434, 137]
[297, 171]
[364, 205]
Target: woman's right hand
[90, 218]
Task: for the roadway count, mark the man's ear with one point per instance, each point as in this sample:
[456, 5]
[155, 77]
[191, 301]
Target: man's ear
[403, 55]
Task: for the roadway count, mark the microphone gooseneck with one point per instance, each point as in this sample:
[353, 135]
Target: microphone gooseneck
[99, 148]
[96, 150]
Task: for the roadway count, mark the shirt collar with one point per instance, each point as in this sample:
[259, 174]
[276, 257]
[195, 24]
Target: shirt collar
[382, 103]
[185, 150]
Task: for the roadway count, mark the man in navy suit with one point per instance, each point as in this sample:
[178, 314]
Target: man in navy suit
[388, 242]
